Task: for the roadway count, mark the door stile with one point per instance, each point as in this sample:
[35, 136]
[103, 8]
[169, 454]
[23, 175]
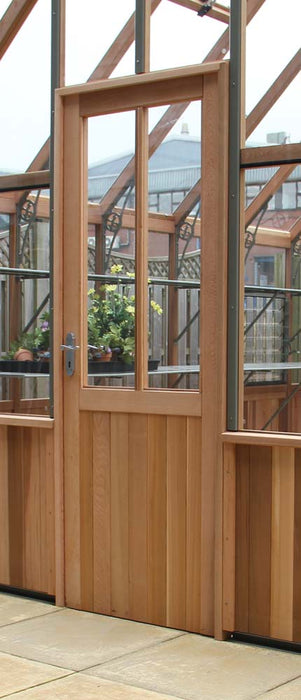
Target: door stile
[73, 167]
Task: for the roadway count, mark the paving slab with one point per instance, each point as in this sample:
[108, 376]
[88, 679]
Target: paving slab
[18, 674]
[77, 640]
[13, 608]
[200, 668]
[289, 691]
[79, 686]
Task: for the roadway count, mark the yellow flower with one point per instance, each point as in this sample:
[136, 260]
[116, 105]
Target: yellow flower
[130, 309]
[111, 287]
[116, 268]
[130, 274]
[156, 307]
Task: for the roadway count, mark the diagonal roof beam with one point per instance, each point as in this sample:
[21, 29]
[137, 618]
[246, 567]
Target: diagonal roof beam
[216, 53]
[12, 20]
[216, 12]
[295, 229]
[103, 70]
[273, 93]
[267, 192]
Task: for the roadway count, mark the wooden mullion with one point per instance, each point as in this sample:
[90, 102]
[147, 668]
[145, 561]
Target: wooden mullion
[141, 247]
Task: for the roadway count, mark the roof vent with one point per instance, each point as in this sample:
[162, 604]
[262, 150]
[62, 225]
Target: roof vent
[184, 129]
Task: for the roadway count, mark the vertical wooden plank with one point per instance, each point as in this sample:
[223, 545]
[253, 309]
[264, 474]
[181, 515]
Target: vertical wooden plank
[47, 553]
[16, 505]
[102, 512]
[119, 514]
[229, 521]
[157, 519]
[297, 551]
[176, 521]
[32, 522]
[4, 508]
[73, 226]
[260, 540]
[138, 530]
[282, 555]
[213, 341]
[86, 510]
[242, 538]
[193, 514]
[58, 337]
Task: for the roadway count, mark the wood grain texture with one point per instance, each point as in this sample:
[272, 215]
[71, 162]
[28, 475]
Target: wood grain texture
[229, 546]
[176, 521]
[4, 508]
[120, 514]
[27, 558]
[282, 543]
[86, 511]
[102, 512]
[157, 519]
[193, 525]
[260, 540]
[242, 553]
[138, 517]
[297, 550]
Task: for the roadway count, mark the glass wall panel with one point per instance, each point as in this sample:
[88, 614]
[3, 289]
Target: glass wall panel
[179, 37]
[273, 40]
[174, 247]
[111, 250]
[95, 28]
[272, 299]
[24, 302]
[25, 91]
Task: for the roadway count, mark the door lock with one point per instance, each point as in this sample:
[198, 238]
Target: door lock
[69, 349]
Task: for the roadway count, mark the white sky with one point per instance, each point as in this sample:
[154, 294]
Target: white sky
[178, 37]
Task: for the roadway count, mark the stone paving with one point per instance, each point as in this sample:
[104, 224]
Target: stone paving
[48, 652]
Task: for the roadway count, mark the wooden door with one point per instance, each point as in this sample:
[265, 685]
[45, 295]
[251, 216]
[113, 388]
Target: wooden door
[141, 466]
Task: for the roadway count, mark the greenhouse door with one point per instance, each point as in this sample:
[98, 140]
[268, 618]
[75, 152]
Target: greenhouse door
[138, 504]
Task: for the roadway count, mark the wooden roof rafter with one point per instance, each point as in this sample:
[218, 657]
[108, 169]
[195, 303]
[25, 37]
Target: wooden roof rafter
[103, 70]
[275, 91]
[12, 20]
[268, 191]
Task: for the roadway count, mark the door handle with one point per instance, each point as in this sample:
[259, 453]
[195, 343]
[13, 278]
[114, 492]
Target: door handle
[69, 349]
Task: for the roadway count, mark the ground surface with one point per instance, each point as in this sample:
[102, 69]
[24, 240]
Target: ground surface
[49, 653]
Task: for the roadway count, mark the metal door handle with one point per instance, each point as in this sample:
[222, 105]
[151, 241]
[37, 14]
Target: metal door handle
[69, 349]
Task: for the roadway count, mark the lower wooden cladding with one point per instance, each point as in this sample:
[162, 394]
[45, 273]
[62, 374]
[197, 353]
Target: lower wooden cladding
[138, 512]
[27, 509]
[268, 535]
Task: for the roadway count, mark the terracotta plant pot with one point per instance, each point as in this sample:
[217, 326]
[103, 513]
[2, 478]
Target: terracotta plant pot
[22, 354]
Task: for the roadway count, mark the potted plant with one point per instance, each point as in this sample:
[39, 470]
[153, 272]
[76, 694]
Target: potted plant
[30, 347]
[111, 320]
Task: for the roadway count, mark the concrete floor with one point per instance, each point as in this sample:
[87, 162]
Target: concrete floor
[48, 652]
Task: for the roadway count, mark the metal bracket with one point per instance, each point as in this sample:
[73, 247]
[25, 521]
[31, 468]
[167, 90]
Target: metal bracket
[70, 348]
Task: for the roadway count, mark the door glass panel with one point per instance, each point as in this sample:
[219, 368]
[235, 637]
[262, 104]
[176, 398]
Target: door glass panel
[111, 250]
[174, 247]
[24, 302]
[272, 377]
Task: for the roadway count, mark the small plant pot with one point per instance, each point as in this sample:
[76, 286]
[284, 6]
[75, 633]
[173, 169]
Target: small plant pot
[23, 354]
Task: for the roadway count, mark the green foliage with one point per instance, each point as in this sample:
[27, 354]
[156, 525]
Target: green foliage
[39, 339]
[111, 318]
